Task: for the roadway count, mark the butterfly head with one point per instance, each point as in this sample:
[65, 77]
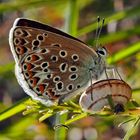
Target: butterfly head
[98, 66]
[102, 52]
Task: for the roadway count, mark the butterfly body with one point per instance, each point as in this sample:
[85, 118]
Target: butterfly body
[51, 65]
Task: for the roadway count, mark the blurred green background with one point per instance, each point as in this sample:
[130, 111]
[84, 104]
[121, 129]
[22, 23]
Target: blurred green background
[22, 119]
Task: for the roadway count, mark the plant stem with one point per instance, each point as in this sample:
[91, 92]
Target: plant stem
[60, 131]
[132, 130]
[71, 28]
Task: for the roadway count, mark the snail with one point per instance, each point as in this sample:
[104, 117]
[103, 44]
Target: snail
[109, 92]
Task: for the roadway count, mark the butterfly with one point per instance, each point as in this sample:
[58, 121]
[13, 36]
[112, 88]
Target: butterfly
[50, 65]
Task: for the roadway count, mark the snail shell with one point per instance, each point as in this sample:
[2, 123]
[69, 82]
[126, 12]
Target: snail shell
[96, 96]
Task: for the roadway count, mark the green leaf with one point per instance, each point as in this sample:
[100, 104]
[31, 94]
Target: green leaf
[76, 118]
[124, 53]
[121, 35]
[19, 5]
[18, 107]
[72, 18]
[117, 16]
[132, 130]
[5, 70]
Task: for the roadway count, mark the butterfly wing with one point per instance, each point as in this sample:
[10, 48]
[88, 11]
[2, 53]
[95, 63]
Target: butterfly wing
[50, 64]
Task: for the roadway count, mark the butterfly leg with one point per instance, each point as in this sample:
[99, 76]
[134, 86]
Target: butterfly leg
[61, 100]
[66, 97]
[114, 70]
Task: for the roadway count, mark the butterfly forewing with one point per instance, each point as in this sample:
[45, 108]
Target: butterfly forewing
[50, 64]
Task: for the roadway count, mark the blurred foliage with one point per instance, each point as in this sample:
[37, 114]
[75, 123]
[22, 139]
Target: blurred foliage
[22, 118]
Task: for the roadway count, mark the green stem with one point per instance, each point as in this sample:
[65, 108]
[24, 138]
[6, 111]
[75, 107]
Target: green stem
[117, 16]
[132, 130]
[72, 17]
[18, 107]
[76, 118]
[71, 28]
[60, 131]
[126, 52]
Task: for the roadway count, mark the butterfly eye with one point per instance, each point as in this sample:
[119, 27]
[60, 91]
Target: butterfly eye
[101, 51]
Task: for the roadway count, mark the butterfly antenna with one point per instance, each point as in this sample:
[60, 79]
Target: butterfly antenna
[99, 32]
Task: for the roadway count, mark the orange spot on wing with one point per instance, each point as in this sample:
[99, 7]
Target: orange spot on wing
[29, 66]
[35, 57]
[41, 88]
[35, 81]
[30, 73]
